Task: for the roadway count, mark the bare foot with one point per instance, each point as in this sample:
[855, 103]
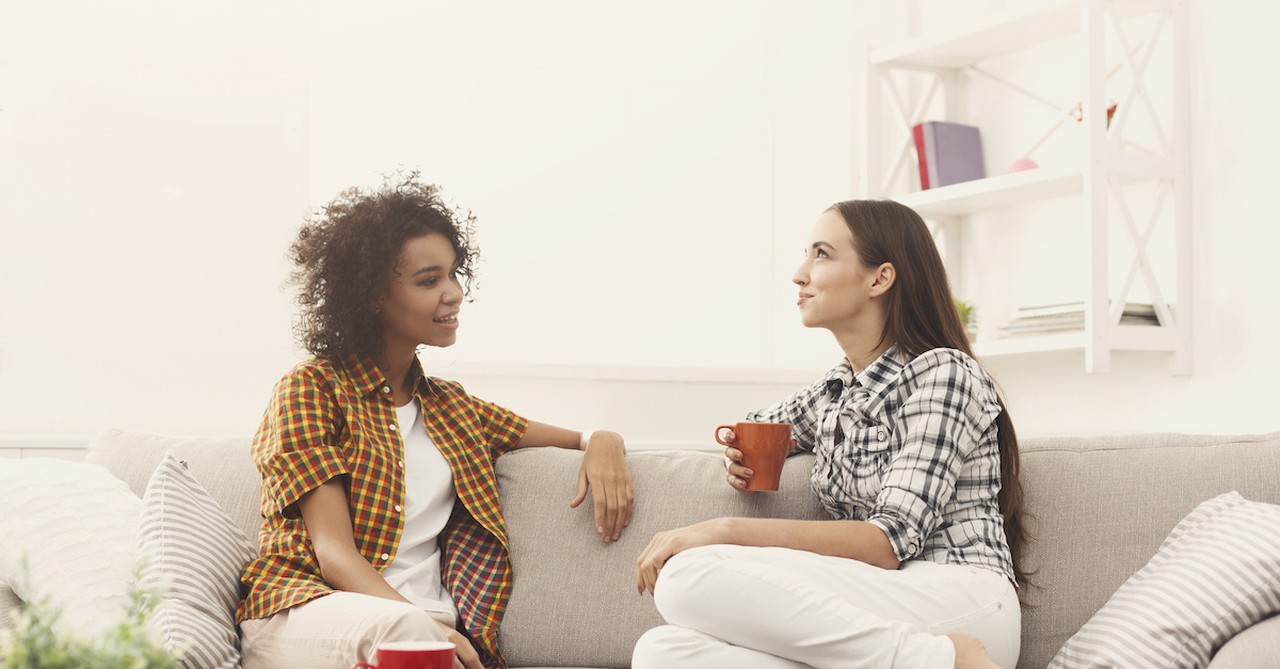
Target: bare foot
[970, 653]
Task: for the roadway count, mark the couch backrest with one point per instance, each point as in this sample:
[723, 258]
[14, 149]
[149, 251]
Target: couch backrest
[220, 464]
[1099, 507]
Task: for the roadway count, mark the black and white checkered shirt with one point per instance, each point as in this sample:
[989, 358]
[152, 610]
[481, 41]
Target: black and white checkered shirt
[909, 446]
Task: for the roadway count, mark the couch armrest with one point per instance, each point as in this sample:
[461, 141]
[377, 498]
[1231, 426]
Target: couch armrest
[1257, 647]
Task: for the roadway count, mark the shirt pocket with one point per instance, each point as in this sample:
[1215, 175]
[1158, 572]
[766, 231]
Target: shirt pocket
[864, 457]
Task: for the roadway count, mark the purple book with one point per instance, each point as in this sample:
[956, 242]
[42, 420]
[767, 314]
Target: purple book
[953, 153]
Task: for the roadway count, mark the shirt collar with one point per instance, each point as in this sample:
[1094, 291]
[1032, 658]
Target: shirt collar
[368, 379]
[884, 371]
[874, 377]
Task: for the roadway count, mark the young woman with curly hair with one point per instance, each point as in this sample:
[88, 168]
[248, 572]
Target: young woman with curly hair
[916, 461]
[379, 500]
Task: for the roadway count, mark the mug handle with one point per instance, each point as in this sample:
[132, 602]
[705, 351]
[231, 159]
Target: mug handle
[718, 439]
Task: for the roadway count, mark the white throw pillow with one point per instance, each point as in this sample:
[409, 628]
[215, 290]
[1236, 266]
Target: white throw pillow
[193, 553]
[1217, 573]
[75, 525]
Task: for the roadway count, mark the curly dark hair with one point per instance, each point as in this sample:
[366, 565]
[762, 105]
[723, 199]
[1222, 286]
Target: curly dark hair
[345, 255]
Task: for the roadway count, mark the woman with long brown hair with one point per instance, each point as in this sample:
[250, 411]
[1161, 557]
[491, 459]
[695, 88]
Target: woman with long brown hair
[916, 461]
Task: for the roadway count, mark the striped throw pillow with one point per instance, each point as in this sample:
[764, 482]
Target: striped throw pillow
[193, 553]
[1217, 573]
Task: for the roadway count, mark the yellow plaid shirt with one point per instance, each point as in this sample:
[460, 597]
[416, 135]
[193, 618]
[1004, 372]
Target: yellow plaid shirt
[337, 418]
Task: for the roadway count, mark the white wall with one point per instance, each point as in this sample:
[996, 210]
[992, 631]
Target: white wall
[153, 165]
[642, 182]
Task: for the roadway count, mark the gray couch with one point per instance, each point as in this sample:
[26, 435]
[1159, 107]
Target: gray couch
[1099, 507]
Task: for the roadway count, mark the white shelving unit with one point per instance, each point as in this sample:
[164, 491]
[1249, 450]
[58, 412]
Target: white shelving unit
[1107, 161]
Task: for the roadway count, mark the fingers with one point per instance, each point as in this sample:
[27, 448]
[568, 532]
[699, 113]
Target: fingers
[464, 655]
[582, 490]
[467, 657]
[600, 505]
[649, 564]
[604, 474]
[737, 475]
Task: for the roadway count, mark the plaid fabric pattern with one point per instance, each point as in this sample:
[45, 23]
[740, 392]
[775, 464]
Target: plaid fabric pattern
[331, 418]
[911, 447]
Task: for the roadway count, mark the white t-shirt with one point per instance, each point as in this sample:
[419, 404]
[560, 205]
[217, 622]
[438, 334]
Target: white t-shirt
[429, 496]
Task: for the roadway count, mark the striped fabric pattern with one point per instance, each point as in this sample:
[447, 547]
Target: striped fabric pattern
[193, 553]
[1217, 573]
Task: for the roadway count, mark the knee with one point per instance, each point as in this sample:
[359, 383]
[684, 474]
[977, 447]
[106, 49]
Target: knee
[682, 580]
[660, 648]
[406, 623]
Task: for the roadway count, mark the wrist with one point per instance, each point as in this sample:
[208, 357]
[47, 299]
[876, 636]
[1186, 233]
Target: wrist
[585, 439]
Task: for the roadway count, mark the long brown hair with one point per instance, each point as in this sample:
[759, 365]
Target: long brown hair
[922, 315]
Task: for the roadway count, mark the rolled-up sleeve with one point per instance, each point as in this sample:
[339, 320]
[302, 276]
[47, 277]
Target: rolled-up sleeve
[501, 427]
[948, 407]
[296, 447]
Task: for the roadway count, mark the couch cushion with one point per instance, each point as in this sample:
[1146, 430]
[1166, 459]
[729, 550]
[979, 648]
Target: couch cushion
[221, 464]
[1099, 507]
[1254, 648]
[193, 555]
[1216, 574]
[67, 535]
[574, 599]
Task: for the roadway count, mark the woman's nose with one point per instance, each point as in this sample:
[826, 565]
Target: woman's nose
[801, 277]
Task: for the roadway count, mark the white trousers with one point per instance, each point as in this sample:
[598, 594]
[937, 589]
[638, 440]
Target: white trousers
[778, 608]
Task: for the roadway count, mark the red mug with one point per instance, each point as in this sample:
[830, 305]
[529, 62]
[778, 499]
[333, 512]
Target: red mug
[764, 447]
[413, 655]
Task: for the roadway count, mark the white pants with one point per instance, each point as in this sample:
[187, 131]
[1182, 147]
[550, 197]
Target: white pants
[778, 608]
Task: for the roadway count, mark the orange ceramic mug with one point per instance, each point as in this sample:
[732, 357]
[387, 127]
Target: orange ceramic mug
[764, 449]
[413, 655]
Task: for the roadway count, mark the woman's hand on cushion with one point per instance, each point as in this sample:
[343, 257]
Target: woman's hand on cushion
[604, 470]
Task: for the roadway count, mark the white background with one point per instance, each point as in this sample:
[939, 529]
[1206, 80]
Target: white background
[644, 175]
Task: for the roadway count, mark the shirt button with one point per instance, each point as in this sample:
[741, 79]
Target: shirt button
[386, 556]
[393, 426]
[386, 390]
[397, 508]
[401, 463]
[882, 435]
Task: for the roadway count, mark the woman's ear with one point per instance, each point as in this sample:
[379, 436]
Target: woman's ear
[883, 280]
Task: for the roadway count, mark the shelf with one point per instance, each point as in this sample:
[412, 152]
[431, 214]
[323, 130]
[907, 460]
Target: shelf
[1005, 190]
[1004, 33]
[1093, 180]
[1124, 338]
[1058, 341]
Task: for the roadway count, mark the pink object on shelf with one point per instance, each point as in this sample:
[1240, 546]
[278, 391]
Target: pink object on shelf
[1023, 164]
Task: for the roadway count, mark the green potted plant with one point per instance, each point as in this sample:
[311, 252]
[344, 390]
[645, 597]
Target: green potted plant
[968, 318]
[37, 642]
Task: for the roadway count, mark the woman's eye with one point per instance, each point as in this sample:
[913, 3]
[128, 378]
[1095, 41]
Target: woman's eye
[429, 283]
[820, 253]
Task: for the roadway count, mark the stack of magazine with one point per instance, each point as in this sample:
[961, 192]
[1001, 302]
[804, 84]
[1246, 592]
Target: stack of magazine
[1068, 317]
